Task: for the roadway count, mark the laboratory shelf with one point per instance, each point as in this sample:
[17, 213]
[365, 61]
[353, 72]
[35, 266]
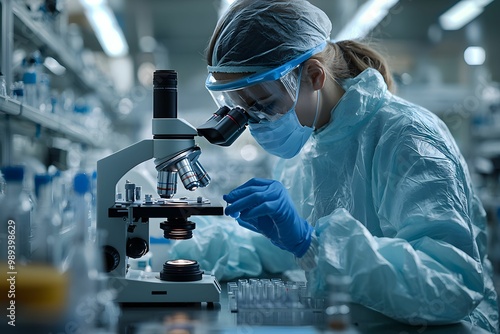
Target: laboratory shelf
[39, 34]
[48, 121]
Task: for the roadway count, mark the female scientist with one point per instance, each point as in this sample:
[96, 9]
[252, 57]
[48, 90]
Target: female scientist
[372, 186]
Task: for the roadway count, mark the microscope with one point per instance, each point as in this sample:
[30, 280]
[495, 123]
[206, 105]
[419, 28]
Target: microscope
[125, 223]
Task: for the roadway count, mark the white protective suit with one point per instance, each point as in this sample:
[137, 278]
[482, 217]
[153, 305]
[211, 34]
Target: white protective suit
[390, 197]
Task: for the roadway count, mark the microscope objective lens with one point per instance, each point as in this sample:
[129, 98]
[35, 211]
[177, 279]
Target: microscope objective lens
[166, 184]
[187, 175]
[201, 174]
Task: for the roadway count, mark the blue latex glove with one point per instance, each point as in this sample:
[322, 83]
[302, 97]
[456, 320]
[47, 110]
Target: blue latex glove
[264, 206]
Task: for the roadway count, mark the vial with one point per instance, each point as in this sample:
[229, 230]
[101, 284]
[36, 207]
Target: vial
[3, 85]
[338, 312]
[30, 88]
[17, 91]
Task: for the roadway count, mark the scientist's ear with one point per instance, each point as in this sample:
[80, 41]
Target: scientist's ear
[314, 73]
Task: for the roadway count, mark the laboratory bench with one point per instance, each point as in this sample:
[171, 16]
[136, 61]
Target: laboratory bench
[218, 318]
[192, 318]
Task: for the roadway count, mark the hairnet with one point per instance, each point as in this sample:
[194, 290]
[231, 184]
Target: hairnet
[255, 35]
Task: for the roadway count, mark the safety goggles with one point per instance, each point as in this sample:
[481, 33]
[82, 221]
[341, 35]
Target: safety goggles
[266, 101]
[264, 96]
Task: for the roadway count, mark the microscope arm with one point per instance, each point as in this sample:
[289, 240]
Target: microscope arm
[111, 169]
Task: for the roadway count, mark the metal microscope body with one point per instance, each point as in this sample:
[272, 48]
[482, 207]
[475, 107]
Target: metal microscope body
[125, 225]
[148, 288]
[111, 169]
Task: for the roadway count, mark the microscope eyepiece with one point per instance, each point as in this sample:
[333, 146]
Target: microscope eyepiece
[165, 94]
[225, 126]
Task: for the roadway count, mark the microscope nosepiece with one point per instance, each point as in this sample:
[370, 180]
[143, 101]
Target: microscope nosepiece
[186, 165]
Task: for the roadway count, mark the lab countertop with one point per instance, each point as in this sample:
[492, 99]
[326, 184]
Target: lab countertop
[194, 318]
[218, 318]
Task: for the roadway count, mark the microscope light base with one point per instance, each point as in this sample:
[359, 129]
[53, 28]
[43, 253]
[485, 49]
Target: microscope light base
[146, 287]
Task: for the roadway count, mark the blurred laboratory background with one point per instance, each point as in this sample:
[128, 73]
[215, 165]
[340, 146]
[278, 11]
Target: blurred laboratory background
[82, 71]
[77, 78]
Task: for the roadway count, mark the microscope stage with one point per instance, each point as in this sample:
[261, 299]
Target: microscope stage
[171, 209]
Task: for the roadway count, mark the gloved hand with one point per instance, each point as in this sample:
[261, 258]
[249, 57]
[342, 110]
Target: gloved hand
[264, 206]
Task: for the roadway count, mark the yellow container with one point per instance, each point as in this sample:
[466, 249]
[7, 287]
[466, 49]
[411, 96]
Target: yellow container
[34, 293]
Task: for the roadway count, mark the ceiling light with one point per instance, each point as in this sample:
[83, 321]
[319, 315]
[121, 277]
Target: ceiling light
[474, 55]
[106, 28]
[365, 19]
[462, 13]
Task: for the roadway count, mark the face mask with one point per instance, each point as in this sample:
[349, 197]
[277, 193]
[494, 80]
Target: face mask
[285, 136]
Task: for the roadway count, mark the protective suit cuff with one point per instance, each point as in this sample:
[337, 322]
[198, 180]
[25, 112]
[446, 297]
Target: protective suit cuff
[310, 259]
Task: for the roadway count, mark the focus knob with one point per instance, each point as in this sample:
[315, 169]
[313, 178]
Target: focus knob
[137, 247]
[111, 258]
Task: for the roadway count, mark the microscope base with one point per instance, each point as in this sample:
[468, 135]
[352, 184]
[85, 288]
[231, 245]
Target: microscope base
[148, 288]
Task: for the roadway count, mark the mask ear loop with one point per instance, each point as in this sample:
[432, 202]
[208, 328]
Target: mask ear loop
[317, 109]
[317, 100]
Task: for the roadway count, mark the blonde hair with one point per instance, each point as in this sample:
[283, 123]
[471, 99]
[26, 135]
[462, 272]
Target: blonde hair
[347, 59]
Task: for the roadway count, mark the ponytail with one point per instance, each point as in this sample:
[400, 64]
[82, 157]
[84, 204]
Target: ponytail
[347, 59]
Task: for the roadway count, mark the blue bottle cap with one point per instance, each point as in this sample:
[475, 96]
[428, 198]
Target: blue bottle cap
[29, 77]
[13, 173]
[81, 108]
[81, 184]
[40, 180]
[18, 91]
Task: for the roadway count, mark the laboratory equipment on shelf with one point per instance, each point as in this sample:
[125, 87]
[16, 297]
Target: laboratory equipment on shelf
[30, 88]
[3, 85]
[16, 209]
[126, 222]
